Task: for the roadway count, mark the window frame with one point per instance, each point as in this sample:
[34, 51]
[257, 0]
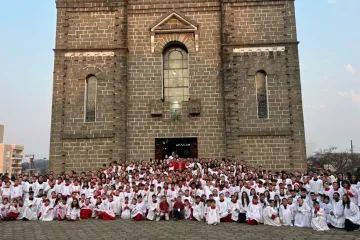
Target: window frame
[267, 94]
[86, 98]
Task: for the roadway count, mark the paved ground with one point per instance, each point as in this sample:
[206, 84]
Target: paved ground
[122, 229]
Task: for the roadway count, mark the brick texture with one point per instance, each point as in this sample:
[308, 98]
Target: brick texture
[111, 39]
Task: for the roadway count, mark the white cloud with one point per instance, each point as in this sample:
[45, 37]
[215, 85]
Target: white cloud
[331, 1]
[325, 78]
[349, 68]
[314, 106]
[355, 98]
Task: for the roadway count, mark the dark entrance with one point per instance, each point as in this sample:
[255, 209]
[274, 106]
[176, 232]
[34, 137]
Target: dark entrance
[184, 147]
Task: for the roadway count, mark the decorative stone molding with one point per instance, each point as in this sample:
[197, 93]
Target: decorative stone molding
[82, 73]
[174, 22]
[259, 49]
[90, 54]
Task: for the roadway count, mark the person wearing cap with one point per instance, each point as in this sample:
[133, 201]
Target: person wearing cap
[318, 221]
[30, 207]
[302, 216]
[270, 215]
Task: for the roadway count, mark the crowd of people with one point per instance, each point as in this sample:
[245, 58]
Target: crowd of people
[203, 190]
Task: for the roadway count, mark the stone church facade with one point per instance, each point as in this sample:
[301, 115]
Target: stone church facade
[140, 79]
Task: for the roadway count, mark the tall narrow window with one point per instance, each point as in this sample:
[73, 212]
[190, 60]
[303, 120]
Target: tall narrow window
[90, 98]
[176, 74]
[261, 93]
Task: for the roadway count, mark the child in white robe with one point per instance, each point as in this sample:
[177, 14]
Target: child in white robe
[302, 214]
[125, 209]
[270, 215]
[47, 211]
[86, 209]
[187, 209]
[139, 211]
[213, 216]
[286, 213]
[61, 209]
[21, 209]
[4, 208]
[318, 221]
[254, 214]
[13, 213]
[198, 209]
[73, 211]
[224, 209]
[153, 209]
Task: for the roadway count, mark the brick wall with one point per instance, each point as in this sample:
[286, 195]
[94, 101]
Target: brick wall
[112, 40]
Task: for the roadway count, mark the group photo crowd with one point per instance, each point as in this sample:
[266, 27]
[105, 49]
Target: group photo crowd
[203, 190]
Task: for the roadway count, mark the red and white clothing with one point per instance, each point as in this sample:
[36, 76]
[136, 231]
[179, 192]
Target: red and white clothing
[153, 210]
[213, 216]
[126, 210]
[47, 212]
[271, 217]
[254, 212]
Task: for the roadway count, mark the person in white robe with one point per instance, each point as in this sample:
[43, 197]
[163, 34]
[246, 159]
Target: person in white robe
[73, 211]
[153, 209]
[270, 215]
[302, 214]
[61, 209]
[286, 213]
[351, 214]
[234, 208]
[244, 202]
[30, 208]
[4, 208]
[213, 216]
[47, 213]
[198, 209]
[254, 214]
[326, 205]
[318, 221]
[125, 209]
[336, 217]
[139, 211]
[224, 209]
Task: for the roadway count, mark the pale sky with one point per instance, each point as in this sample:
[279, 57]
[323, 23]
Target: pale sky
[328, 31]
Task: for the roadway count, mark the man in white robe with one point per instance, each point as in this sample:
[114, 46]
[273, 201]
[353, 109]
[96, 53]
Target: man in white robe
[153, 209]
[302, 214]
[254, 214]
[286, 213]
[270, 215]
[336, 217]
[30, 208]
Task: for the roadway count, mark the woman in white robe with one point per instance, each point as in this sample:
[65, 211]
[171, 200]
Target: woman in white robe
[73, 211]
[213, 216]
[243, 207]
[47, 213]
[270, 215]
[286, 213]
[318, 221]
[351, 213]
[302, 214]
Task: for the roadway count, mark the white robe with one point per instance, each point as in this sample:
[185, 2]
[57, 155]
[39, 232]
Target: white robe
[286, 215]
[302, 216]
[30, 209]
[352, 213]
[267, 215]
[73, 213]
[198, 211]
[213, 216]
[47, 213]
[337, 220]
[125, 210]
[255, 212]
[318, 221]
[140, 208]
[235, 209]
[153, 210]
[224, 208]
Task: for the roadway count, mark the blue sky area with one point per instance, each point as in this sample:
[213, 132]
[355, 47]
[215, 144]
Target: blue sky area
[328, 31]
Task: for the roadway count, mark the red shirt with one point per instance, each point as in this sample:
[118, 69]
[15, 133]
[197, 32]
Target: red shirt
[179, 205]
[164, 207]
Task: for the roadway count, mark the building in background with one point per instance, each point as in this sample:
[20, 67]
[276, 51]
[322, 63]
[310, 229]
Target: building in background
[135, 80]
[11, 156]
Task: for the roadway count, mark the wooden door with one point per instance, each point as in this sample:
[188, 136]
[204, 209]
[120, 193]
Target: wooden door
[194, 148]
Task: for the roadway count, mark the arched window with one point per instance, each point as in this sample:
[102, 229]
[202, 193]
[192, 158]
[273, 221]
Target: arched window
[176, 73]
[261, 94]
[90, 98]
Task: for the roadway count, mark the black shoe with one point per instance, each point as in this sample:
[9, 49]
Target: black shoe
[25, 219]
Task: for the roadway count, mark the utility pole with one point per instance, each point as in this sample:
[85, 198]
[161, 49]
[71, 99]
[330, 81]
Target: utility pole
[351, 148]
